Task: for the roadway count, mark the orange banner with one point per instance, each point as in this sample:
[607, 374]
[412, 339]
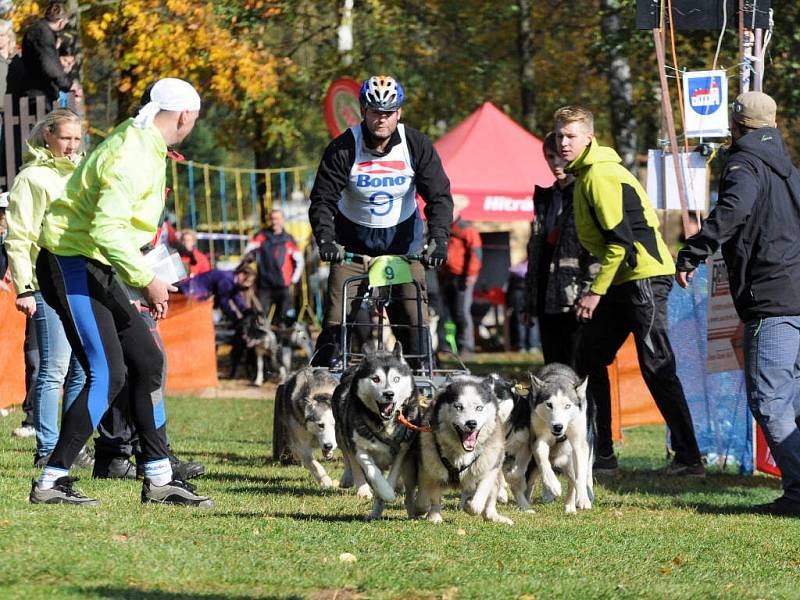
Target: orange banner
[12, 358]
[188, 336]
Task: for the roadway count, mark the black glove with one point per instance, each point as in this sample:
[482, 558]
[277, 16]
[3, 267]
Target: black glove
[330, 251]
[434, 254]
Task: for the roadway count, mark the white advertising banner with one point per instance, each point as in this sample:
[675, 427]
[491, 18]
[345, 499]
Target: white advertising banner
[705, 99]
[725, 330]
[662, 183]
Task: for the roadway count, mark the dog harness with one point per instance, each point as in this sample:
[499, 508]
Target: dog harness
[453, 474]
[363, 429]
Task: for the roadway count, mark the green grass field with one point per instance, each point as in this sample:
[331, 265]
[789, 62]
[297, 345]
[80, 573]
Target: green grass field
[274, 534]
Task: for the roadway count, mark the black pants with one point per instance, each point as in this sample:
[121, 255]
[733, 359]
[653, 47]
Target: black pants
[281, 298]
[638, 307]
[31, 348]
[401, 306]
[560, 334]
[112, 342]
[117, 435]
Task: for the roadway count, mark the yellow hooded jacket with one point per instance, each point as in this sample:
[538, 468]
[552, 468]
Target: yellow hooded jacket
[112, 204]
[615, 220]
[41, 180]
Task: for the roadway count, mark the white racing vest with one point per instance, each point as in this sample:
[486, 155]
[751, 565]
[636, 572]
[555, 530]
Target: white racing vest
[381, 191]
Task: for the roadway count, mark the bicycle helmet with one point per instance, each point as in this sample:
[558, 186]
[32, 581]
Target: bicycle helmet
[381, 92]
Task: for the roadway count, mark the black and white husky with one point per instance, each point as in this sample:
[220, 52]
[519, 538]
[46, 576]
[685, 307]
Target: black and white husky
[562, 436]
[368, 404]
[463, 449]
[254, 334]
[308, 418]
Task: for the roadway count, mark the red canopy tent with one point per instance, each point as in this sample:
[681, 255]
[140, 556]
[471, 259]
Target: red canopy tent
[494, 163]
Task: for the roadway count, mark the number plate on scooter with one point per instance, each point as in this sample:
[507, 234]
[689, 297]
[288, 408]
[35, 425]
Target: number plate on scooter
[389, 270]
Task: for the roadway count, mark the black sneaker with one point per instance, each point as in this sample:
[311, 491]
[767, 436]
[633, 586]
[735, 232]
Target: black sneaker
[84, 460]
[40, 460]
[117, 467]
[606, 465]
[60, 493]
[780, 507]
[187, 469]
[175, 492]
[679, 469]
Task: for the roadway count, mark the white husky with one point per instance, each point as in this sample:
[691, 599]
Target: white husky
[562, 432]
[464, 449]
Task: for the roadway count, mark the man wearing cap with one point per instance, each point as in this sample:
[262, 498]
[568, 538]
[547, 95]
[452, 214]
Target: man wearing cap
[364, 202]
[756, 220]
[91, 239]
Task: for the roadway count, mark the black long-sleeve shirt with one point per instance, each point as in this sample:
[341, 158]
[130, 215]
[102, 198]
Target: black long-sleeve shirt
[334, 172]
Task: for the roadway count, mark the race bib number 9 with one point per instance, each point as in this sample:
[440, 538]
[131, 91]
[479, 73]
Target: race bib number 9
[389, 270]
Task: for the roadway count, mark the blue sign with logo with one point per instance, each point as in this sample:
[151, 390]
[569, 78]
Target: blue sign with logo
[705, 94]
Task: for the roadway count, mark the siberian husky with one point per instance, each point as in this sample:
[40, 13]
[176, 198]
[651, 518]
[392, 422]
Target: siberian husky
[308, 417]
[562, 435]
[370, 405]
[464, 449]
[253, 333]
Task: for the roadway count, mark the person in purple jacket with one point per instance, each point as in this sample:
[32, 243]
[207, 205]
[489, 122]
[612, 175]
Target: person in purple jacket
[230, 289]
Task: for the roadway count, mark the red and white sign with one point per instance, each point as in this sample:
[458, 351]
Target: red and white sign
[342, 109]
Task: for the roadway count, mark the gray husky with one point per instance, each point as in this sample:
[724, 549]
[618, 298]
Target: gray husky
[562, 435]
[369, 405]
[463, 449]
[308, 417]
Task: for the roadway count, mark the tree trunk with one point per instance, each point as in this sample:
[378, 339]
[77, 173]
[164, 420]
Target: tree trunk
[526, 72]
[623, 121]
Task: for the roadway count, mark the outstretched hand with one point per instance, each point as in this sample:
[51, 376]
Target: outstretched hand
[684, 278]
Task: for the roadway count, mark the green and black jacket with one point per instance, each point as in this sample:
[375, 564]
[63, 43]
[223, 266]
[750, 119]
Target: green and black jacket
[615, 220]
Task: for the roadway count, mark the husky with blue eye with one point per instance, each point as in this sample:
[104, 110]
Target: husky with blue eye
[371, 404]
[562, 435]
[464, 449]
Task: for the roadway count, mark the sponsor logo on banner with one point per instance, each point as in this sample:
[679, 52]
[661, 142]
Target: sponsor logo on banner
[508, 204]
[705, 95]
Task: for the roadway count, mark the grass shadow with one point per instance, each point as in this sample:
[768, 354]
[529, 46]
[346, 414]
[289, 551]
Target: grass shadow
[294, 490]
[126, 593]
[353, 518]
[653, 482]
[236, 459]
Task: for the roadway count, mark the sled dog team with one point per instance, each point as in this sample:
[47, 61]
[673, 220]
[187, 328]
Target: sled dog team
[476, 435]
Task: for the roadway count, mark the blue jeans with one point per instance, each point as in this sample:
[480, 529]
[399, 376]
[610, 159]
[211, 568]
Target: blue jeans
[56, 363]
[772, 374]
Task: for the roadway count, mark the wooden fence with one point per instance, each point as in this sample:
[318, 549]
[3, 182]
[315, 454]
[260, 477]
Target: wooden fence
[15, 129]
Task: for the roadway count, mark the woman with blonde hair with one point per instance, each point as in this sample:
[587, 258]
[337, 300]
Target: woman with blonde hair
[52, 152]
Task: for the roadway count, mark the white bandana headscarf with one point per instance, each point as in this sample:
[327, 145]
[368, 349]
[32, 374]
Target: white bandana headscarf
[167, 94]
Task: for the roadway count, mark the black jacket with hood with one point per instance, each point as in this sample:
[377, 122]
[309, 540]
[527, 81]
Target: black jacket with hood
[757, 222]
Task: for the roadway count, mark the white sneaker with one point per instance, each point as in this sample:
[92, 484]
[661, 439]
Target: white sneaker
[24, 431]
